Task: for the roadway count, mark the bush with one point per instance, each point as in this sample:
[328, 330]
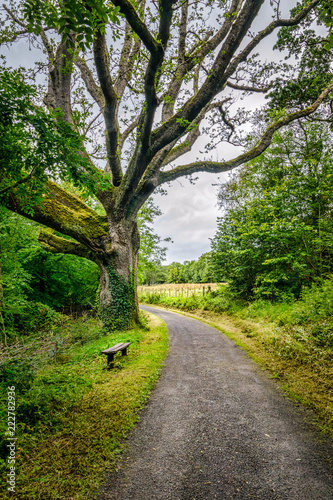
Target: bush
[315, 303]
[30, 317]
[18, 373]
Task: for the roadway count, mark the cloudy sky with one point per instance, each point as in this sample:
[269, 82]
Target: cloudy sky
[189, 211]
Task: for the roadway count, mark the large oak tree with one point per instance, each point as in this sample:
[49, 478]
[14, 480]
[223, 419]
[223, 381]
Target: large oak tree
[154, 75]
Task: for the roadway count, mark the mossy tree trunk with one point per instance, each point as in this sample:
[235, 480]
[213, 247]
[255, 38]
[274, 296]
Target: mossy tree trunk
[118, 298]
[111, 241]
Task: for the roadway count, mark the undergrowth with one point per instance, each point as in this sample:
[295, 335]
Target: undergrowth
[72, 413]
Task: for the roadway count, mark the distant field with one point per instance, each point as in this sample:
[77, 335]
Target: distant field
[179, 289]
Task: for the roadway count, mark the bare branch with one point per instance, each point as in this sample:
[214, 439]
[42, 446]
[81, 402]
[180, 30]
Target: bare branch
[86, 130]
[248, 88]
[13, 16]
[127, 132]
[226, 122]
[127, 60]
[94, 90]
[47, 45]
[265, 141]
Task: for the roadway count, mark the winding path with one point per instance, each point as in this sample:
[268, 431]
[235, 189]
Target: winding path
[216, 427]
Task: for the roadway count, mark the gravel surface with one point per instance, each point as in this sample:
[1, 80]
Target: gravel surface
[216, 427]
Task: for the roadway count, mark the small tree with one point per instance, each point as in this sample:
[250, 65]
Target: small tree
[173, 71]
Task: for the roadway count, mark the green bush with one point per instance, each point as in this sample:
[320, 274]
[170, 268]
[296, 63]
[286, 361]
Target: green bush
[18, 373]
[30, 317]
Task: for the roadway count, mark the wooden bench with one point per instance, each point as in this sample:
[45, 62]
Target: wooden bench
[113, 350]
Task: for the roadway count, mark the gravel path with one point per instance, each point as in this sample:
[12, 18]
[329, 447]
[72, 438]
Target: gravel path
[216, 427]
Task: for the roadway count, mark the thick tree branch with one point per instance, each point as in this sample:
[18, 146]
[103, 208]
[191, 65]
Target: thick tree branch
[152, 74]
[111, 107]
[176, 126]
[137, 25]
[182, 148]
[278, 23]
[67, 214]
[56, 244]
[265, 141]
[47, 45]
[196, 56]
[193, 135]
[170, 153]
[61, 78]
[222, 69]
[139, 161]
[168, 107]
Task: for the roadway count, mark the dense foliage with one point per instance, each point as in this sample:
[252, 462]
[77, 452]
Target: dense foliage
[35, 144]
[190, 271]
[276, 234]
[35, 283]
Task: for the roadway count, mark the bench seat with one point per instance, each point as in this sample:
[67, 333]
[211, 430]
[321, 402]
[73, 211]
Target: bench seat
[111, 351]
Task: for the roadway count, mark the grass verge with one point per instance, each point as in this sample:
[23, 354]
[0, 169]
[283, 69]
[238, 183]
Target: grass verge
[72, 413]
[302, 367]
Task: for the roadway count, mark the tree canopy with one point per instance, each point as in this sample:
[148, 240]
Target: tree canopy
[136, 85]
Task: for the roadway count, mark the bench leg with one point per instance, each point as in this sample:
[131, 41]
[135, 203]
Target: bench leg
[110, 360]
[124, 352]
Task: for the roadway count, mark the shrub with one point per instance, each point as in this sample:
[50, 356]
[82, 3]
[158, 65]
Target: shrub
[30, 317]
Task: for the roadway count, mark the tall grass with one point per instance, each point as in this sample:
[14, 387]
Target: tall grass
[72, 412]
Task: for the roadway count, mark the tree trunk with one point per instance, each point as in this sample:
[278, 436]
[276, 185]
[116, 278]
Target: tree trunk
[118, 296]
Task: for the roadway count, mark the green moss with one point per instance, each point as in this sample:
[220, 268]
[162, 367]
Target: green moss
[81, 221]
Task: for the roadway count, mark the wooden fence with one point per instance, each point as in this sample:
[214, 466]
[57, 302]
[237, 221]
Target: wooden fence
[179, 290]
